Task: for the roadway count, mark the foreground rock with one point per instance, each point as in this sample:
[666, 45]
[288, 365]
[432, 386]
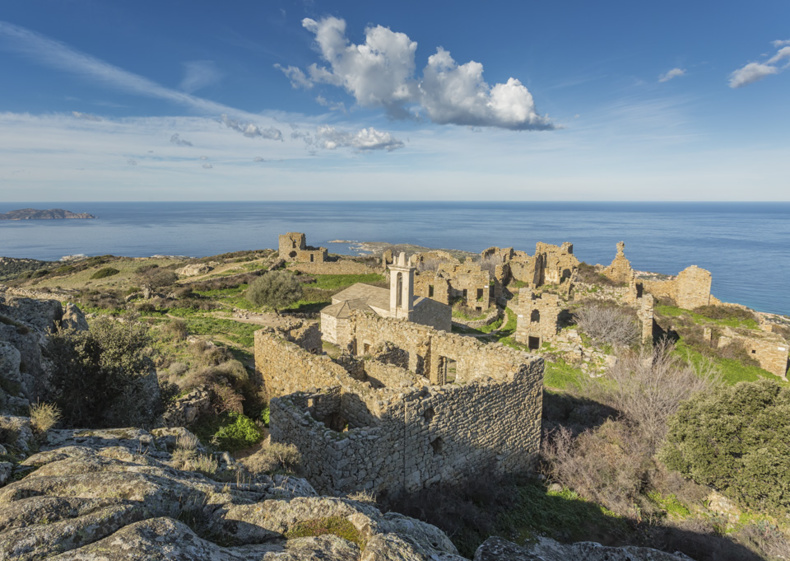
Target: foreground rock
[119, 495]
[497, 549]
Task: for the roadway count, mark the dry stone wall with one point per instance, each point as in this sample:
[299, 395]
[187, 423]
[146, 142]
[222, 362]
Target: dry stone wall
[689, 290]
[340, 267]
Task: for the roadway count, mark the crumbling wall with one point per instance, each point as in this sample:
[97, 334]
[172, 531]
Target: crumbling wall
[433, 314]
[293, 247]
[619, 270]
[431, 435]
[689, 290]
[768, 349]
[432, 285]
[340, 267]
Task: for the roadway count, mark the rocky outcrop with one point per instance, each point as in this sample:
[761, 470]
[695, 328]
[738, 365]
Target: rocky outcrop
[25, 324]
[194, 270]
[119, 495]
[497, 549]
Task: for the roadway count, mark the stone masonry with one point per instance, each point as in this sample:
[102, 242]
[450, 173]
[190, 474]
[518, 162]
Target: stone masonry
[293, 247]
[460, 409]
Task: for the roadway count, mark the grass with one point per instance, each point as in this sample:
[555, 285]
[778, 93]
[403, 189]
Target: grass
[561, 515]
[732, 371]
[235, 331]
[736, 320]
[559, 375]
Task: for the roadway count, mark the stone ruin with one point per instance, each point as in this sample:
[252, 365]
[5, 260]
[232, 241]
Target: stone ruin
[408, 408]
[293, 247]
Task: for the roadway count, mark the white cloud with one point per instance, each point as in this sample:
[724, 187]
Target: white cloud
[674, 73]
[296, 76]
[330, 138]
[198, 74]
[381, 73]
[208, 166]
[178, 141]
[252, 130]
[755, 71]
[751, 73]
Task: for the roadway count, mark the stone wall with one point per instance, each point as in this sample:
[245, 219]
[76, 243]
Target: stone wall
[620, 270]
[434, 435]
[382, 428]
[770, 350]
[340, 267]
[293, 247]
[433, 314]
[538, 317]
[689, 290]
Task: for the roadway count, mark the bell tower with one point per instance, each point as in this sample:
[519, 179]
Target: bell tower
[401, 288]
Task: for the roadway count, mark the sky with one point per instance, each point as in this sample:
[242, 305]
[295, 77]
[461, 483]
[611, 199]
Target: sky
[195, 100]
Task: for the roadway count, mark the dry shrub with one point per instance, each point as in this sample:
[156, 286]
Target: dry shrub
[363, 496]
[209, 354]
[187, 441]
[608, 465]
[274, 457]
[225, 399]
[650, 384]
[44, 416]
[203, 463]
[608, 324]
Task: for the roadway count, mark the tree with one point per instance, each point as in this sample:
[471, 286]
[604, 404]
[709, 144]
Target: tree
[736, 439]
[275, 290]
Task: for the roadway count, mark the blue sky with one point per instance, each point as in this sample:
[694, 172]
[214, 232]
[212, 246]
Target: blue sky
[361, 100]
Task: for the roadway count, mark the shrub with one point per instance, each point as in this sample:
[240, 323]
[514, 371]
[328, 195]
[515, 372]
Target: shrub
[44, 416]
[609, 325]
[105, 272]
[240, 432]
[176, 329]
[105, 376]
[649, 386]
[736, 440]
[272, 458]
[274, 290]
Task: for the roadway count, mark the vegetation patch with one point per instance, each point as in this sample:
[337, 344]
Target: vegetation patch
[236, 432]
[105, 272]
[335, 525]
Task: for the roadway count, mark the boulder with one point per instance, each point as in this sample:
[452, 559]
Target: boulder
[73, 318]
[545, 549]
[194, 270]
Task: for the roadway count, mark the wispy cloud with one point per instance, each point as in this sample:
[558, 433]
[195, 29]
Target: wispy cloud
[198, 74]
[755, 71]
[366, 139]
[178, 141]
[381, 73]
[251, 130]
[674, 73]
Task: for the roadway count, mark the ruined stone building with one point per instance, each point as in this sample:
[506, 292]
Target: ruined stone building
[397, 302]
[538, 317]
[451, 282]
[551, 264]
[293, 247]
[411, 407]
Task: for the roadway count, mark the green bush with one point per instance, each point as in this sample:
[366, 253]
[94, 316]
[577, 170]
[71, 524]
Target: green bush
[104, 377]
[736, 439]
[105, 272]
[240, 433]
[274, 290]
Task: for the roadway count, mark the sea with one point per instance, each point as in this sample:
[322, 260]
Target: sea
[746, 246]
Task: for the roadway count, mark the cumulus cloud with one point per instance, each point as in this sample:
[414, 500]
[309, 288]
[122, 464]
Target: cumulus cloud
[198, 74]
[251, 130]
[674, 73]
[178, 141]
[755, 71]
[381, 73]
[330, 138]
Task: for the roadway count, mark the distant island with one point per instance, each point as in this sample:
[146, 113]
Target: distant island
[50, 214]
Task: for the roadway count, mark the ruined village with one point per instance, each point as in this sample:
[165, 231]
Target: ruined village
[433, 375]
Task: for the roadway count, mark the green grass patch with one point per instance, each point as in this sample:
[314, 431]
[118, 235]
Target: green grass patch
[105, 272]
[560, 375]
[732, 371]
[236, 331]
[335, 525]
[669, 504]
[561, 515]
[717, 315]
